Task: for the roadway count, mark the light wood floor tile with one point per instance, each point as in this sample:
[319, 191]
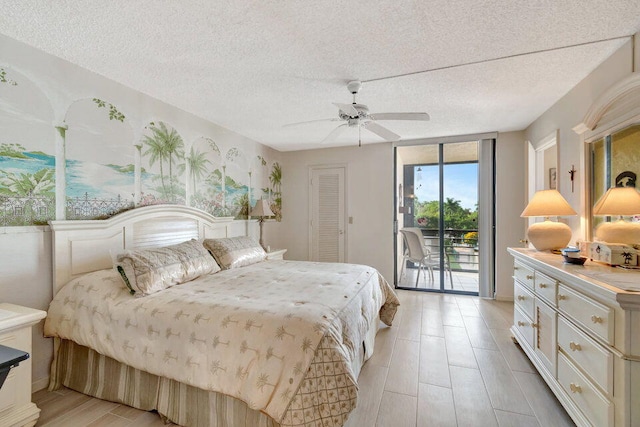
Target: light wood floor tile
[435, 407]
[504, 391]
[513, 354]
[385, 341]
[403, 370]
[509, 419]
[411, 324]
[459, 350]
[397, 410]
[451, 314]
[479, 334]
[543, 402]
[371, 387]
[473, 407]
[432, 322]
[422, 373]
[434, 366]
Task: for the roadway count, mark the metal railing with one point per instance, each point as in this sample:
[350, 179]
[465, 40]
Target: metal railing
[460, 248]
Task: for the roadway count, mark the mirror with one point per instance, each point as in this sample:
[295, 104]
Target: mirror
[615, 162]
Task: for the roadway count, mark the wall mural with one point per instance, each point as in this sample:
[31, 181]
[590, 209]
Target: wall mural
[99, 158]
[108, 169]
[164, 165]
[27, 152]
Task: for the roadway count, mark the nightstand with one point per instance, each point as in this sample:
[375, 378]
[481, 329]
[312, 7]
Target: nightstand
[276, 254]
[16, 408]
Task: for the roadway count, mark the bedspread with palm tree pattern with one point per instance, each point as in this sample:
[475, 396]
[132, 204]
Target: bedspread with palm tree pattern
[251, 332]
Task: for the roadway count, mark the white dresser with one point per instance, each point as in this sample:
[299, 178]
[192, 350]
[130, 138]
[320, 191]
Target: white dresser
[581, 330]
[16, 408]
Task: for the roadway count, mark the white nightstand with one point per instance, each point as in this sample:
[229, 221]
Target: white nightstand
[16, 408]
[276, 254]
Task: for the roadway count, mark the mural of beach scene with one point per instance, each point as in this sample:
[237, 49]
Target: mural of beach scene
[100, 171]
[27, 147]
[218, 179]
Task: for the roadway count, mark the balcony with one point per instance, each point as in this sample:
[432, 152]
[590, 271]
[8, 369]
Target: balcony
[461, 254]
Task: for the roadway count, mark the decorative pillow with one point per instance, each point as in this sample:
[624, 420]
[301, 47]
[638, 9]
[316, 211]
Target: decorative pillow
[146, 271]
[235, 252]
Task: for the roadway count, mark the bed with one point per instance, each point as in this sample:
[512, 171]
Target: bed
[272, 343]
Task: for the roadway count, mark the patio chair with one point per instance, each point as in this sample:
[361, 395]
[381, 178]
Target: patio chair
[419, 254]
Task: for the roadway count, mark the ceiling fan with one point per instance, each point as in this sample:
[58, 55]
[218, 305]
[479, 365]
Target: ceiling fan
[357, 115]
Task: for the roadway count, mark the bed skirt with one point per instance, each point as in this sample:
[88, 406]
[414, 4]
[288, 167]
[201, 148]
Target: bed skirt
[89, 372]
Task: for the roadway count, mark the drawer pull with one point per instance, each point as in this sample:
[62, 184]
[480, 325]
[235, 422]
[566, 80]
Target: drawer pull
[521, 298]
[516, 268]
[529, 277]
[596, 319]
[521, 324]
[561, 297]
[575, 347]
[542, 285]
[575, 388]
[534, 325]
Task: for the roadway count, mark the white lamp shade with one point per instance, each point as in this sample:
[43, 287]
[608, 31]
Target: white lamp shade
[548, 203]
[262, 209]
[623, 201]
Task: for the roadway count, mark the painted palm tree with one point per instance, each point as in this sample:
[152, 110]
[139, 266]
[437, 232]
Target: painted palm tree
[165, 144]
[197, 162]
[276, 177]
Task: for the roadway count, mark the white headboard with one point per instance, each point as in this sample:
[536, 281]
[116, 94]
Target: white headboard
[82, 246]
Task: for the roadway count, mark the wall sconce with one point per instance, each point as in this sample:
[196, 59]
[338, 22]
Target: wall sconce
[619, 201]
[548, 234]
[262, 210]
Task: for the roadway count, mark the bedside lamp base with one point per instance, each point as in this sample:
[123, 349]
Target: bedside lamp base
[548, 235]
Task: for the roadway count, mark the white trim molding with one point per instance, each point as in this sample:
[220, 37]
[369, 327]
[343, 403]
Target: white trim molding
[606, 101]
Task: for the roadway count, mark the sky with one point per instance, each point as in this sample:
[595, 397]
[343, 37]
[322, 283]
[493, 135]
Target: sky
[460, 183]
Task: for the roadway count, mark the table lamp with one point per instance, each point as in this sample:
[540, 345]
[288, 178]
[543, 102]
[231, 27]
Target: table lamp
[548, 234]
[619, 201]
[262, 209]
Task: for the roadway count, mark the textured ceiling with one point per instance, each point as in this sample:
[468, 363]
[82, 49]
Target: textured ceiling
[253, 66]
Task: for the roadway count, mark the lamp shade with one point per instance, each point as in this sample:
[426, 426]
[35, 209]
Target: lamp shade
[548, 203]
[262, 208]
[618, 201]
[547, 234]
[623, 201]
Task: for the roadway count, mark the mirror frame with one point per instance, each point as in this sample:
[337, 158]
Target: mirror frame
[614, 110]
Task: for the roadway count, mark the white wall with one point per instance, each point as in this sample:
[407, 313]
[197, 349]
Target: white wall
[568, 112]
[369, 202]
[511, 196]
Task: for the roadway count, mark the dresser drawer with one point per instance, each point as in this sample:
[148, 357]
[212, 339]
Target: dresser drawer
[523, 274]
[523, 324]
[593, 359]
[523, 299]
[546, 287]
[595, 317]
[597, 408]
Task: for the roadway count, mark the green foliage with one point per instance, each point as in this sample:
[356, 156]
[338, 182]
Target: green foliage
[114, 114]
[263, 162]
[12, 150]
[164, 145]
[455, 216]
[233, 154]
[28, 184]
[241, 203]
[4, 79]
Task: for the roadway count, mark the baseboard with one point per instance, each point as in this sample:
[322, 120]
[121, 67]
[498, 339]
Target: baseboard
[40, 384]
[508, 298]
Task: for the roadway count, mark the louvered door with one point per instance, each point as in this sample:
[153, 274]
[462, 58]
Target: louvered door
[327, 236]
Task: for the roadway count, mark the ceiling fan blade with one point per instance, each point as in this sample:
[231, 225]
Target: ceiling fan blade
[335, 119]
[400, 116]
[347, 109]
[381, 131]
[334, 134]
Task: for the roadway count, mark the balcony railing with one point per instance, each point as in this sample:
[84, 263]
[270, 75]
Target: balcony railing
[461, 251]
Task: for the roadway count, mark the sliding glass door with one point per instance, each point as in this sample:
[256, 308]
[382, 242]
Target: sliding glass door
[438, 194]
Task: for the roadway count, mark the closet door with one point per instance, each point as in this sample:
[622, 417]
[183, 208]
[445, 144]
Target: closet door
[327, 227]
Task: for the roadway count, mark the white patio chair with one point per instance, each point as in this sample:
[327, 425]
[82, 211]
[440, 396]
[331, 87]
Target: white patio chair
[419, 254]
